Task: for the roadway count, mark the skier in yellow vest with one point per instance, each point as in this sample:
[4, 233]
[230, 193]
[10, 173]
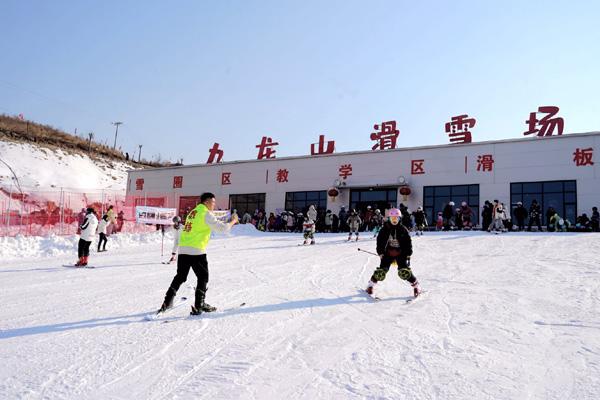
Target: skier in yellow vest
[192, 252]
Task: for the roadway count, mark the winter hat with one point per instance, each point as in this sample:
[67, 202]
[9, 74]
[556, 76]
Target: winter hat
[464, 203]
[451, 203]
[419, 208]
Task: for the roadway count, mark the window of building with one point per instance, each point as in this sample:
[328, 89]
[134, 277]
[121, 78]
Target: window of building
[247, 203]
[380, 198]
[562, 195]
[298, 202]
[435, 199]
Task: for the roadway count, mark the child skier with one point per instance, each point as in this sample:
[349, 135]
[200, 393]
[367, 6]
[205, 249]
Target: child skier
[439, 225]
[354, 222]
[420, 221]
[102, 225]
[499, 217]
[394, 245]
[309, 230]
[176, 234]
[377, 221]
[88, 231]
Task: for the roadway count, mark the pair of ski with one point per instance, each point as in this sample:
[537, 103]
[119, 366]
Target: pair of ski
[78, 266]
[375, 298]
[182, 301]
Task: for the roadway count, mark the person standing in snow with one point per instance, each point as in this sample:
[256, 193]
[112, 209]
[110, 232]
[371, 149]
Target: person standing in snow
[328, 221]
[177, 234]
[343, 217]
[102, 233]
[309, 230]
[112, 220]
[520, 214]
[448, 214]
[312, 213]
[194, 238]
[394, 244]
[354, 222]
[595, 220]
[534, 216]
[88, 231]
[377, 222]
[420, 221]
[499, 218]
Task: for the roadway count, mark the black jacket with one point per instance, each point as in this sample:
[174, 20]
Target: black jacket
[520, 212]
[401, 234]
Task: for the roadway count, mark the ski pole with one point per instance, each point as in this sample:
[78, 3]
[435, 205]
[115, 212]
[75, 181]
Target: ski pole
[369, 252]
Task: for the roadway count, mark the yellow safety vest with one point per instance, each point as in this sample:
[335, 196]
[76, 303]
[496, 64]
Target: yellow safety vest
[195, 232]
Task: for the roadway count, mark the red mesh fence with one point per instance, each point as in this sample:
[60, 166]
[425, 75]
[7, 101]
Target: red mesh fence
[60, 212]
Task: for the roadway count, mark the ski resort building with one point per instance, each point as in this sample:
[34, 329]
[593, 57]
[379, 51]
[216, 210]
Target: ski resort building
[557, 171]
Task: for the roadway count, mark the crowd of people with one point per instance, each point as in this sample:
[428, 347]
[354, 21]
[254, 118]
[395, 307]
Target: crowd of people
[495, 217]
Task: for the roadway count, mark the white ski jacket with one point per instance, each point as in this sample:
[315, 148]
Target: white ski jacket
[88, 228]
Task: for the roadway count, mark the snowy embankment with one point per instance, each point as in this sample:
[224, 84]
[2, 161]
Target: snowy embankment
[40, 168]
[19, 247]
[512, 316]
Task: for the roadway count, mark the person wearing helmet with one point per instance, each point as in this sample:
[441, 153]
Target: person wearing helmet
[308, 228]
[354, 222]
[176, 235]
[420, 221]
[394, 245]
[377, 221]
[498, 222]
[466, 214]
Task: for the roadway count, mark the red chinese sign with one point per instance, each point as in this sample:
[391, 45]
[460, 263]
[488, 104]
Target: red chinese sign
[583, 157]
[177, 182]
[139, 184]
[417, 167]
[485, 163]
[282, 175]
[345, 171]
[321, 146]
[386, 137]
[264, 148]
[226, 178]
[547, 124]
[458, 128]
[214, 152]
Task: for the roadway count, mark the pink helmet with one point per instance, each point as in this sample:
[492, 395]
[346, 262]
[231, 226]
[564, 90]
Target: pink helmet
[394, 212]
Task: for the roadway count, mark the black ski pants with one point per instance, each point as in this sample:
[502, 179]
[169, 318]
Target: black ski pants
[102, 240]
[404, 271]
[535, 221]
[198, 264]
[83, 248]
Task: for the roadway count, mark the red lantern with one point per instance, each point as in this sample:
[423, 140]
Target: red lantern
[405, 191]
[333, 192]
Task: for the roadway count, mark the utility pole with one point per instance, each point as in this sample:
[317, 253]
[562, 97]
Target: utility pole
[116, 132]
[91, 136]
[140, 153]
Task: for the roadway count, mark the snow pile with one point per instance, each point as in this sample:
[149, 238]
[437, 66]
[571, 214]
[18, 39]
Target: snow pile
[44, 169]
[52, 246]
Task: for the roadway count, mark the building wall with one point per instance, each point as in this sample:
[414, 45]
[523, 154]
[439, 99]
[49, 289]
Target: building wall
[522, 160]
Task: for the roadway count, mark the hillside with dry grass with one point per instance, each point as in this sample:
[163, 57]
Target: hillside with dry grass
[17, 130]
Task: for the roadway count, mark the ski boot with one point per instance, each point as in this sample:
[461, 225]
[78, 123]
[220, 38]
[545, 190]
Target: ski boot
[349, 238]
[312, 242]
[305, 242]
[370, 288]
[168, 303]
[416, 288]
[200, 305]
[357, 238]
[85, 260]
[79, 262]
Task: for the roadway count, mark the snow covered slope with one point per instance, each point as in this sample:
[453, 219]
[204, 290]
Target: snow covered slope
[512, 316]
[42, 169]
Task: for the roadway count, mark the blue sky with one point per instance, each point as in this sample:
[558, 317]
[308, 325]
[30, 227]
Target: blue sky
[183, 75]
